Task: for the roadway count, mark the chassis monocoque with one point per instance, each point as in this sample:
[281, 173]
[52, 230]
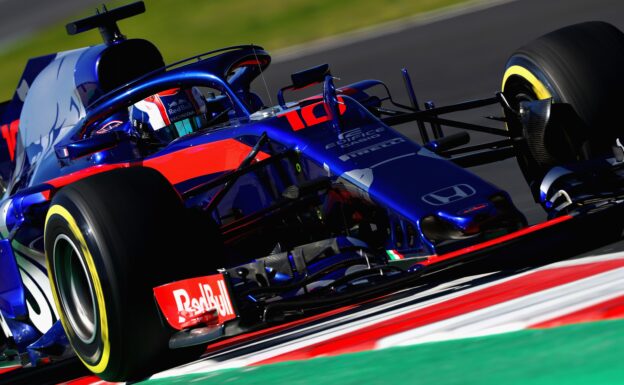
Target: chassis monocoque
[134, 252]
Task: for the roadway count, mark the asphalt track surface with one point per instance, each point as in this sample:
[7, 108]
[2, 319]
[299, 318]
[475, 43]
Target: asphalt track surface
[19, 18]
[450, 60]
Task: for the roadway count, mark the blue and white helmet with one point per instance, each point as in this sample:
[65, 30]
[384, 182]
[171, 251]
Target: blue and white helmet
[170, 114]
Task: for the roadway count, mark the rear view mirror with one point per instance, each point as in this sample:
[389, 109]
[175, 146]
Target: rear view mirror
[90, 145]
[309, 76]
[303, 79]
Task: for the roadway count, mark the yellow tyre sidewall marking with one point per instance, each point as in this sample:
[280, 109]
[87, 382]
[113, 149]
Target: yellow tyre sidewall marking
[538, 87]
[75, 230]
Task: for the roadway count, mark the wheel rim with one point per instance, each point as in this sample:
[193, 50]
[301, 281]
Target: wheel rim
[75, 288]
[519, 90]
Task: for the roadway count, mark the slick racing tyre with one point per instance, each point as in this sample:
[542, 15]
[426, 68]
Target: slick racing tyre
[579, 66]
[109, 239]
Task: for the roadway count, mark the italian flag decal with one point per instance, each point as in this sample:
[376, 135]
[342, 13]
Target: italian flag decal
[394, 255]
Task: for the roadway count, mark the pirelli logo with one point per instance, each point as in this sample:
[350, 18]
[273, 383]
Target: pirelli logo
[371, 149]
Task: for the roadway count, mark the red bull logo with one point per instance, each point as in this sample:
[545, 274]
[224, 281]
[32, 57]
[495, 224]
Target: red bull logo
[184, 301]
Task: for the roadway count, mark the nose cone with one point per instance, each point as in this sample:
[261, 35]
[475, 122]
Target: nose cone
[484, 220]
[471, 219]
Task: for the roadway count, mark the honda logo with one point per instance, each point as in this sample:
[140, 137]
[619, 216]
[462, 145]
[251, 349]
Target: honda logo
[449, 194]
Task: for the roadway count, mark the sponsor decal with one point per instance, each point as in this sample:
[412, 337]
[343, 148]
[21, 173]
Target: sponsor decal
[196, 300]
[473, 209]
[370, 149]
[178, 107]
[109, 126]
[355, 136]
[449, 194]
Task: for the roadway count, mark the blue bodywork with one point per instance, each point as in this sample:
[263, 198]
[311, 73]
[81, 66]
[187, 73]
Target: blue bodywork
[63, 99]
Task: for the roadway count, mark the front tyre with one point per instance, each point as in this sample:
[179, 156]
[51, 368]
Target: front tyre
[579, 67]
[109, 239]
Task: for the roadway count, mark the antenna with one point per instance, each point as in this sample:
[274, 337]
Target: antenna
[106, 21]
[266, 87]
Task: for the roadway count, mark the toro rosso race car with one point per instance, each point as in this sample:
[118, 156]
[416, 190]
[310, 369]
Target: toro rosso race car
[149, 210]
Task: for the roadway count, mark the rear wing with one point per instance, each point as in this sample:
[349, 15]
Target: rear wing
[10, 114]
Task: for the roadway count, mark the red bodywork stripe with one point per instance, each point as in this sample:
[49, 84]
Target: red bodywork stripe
[203, 159]
[611, 309]
[178, 166]
[366, 338]
[348, 91]
[480, 246]
[251, 62]
[76, 176]
[169, 92]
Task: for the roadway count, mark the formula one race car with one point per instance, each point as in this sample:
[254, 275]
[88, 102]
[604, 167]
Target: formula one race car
[150, 210]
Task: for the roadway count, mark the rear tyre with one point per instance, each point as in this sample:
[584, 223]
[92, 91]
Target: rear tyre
[579, 65]
[110, 239]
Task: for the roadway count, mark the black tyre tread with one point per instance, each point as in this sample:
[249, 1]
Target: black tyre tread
[143, 238]
[583, 61]
[580, 65]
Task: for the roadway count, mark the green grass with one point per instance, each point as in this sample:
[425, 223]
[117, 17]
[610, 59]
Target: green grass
[182, 28]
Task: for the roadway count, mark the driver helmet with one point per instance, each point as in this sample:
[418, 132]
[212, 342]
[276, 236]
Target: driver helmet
[169, 114]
